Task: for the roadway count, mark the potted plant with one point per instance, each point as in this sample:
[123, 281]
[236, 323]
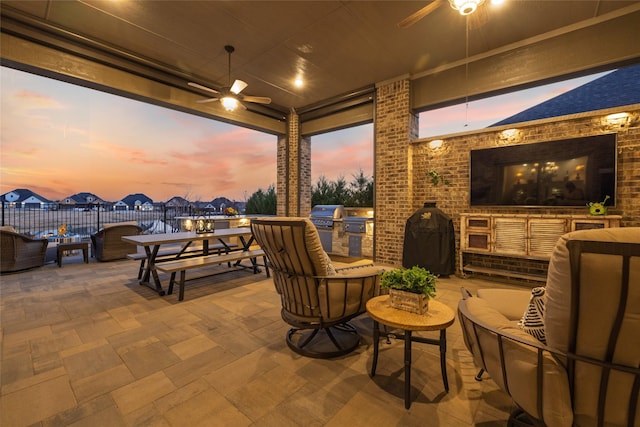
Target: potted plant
[410, 289]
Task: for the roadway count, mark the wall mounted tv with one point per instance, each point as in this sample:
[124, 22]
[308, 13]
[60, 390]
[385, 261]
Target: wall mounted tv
[569, 172]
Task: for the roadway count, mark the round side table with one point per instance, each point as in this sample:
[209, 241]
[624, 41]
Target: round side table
[438, 318]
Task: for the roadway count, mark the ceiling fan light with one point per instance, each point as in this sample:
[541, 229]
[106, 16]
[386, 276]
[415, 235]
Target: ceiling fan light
[465, 7]
[229, 103]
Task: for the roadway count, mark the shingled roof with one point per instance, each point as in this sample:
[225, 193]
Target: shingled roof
[619, 88]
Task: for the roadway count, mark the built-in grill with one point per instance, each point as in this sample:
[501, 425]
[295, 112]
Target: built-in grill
[355, 225]
[356, 219]
[322, 216]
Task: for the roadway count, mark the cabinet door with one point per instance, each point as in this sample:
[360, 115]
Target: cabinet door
[588, 224]
[543, 235]
[476, 233]
[510, 236]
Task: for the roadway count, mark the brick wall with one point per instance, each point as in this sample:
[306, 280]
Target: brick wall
[452, 161]
[402, 161]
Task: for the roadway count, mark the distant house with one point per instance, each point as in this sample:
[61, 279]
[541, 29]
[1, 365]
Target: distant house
[178, 202]
[82, 200]
[134, 202]
[219, 203]
[21, 198]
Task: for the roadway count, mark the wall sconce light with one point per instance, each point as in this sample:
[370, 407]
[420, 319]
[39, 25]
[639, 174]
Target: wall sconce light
[617, 119]
[510, 135]
[435, 144]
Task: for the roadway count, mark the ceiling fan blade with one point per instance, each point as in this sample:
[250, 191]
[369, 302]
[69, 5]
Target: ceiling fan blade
[208, 89]
[204, 101]
[238, 86]
[257, 99]
[415, 17]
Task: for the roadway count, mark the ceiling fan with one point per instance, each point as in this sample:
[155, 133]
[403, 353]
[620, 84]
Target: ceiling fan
[230, 96]
[465, 7]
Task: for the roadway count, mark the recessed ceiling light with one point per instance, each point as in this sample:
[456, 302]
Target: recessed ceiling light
[298, 82]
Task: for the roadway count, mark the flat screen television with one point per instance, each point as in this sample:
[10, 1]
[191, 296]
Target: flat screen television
[569, 172]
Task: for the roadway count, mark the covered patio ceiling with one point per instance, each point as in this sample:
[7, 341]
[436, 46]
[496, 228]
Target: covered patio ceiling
[336, 47]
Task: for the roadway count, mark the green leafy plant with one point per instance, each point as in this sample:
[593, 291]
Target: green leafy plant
[437, 178]
[415, 279]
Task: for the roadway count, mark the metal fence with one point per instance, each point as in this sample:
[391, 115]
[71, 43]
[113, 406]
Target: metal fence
[82, 222]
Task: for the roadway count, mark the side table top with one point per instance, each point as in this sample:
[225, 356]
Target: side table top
[438, 317]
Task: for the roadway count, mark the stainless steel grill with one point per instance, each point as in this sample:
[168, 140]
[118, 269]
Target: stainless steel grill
[355, 220]
[322, 216]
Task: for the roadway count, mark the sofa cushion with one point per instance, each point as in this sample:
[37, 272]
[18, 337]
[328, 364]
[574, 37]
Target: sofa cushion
[532, 321]
[8, 228]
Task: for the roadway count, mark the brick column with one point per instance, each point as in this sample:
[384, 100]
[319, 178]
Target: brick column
[395, 126]
[294, 171]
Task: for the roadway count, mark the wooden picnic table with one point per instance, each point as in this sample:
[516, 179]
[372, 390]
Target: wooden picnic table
[151, 244]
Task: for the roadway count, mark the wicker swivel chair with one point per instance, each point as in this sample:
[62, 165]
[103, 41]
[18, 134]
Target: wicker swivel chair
[317, 300]
[588, 373]
[108, 245]
[20, 252]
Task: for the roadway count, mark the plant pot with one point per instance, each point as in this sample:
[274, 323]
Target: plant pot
[408, 301]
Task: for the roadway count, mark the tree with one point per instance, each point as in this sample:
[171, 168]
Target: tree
[262, 202]
[322, 192]
[358, 193]
[361, 189]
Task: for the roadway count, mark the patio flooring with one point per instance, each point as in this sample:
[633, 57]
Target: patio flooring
[85, 345]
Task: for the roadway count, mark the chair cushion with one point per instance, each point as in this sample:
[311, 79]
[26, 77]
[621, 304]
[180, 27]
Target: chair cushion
[114, 224]
[8, 228]
[558, 289]
[316, 254]
[532, 322]
[509, 302]
[520, 363]
[331, 269]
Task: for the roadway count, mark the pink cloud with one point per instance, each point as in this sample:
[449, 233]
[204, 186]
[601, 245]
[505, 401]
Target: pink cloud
[36, 100]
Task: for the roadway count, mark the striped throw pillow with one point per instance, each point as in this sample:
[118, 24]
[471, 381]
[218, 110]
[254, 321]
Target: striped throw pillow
[532, 321]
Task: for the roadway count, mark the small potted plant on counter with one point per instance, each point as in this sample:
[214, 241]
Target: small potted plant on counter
[410, 289]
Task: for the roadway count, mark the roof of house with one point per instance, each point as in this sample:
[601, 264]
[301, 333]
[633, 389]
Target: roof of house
[131, 199]
[84, 197]
[23, 194]
[618, 88]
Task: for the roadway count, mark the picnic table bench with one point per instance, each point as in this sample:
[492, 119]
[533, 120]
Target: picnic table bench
[153, 243]
[182, 265]
[170, 254]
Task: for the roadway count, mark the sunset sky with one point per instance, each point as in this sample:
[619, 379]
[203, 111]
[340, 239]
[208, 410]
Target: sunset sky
[58, 139]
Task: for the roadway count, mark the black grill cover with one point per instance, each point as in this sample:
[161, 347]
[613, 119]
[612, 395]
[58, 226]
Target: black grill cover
[429, 241]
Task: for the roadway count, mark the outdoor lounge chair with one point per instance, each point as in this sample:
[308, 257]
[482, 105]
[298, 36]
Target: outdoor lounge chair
[318, 301]
[108, 245]
[20, 252]
[588, 373]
